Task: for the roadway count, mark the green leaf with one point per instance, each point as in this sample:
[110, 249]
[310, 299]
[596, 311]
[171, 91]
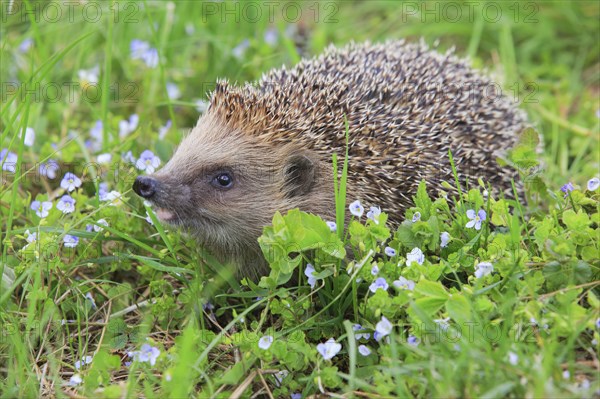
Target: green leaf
[423, 201]
[459, 308]
[431, 289]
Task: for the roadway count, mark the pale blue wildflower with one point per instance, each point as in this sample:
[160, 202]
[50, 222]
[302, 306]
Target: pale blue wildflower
[70, 182]
[8, 160]
[598, 323]
[483, 269]
[296, 395]
[389, 251]
[163, 130]
[308, 272]
[201, 105]
[114, 197]
[128, 157]
[66, 204]
[416, 217]
[329, 349]
[404, 284]
[128, 126]
[25, 45]
[475, 219]
[75, 380]
[30, 237]
[364, 350]
[416, 255]
[567, 188]
[357, 336]
[332, 226]
[173, 91]
[148, 162]
[444, 239]
[513, 358]
[593, 184]
[239, 50]
[70, 241]
[100, 222]
[149, 219]
[265, 342]
[356, 209]
[383, 328]
[379, 283]
[270, 36]
[147, 353]
[566, 374]
[49, 170]
[104, 158]
[89, 76]
[84, 361]
[375, 270]
[412, 340]
[141, 50]
[29, 137]
[41, 208]
[443, 323]
[374, 213]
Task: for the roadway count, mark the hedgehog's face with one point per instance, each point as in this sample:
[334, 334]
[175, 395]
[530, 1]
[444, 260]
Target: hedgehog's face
[224, 188]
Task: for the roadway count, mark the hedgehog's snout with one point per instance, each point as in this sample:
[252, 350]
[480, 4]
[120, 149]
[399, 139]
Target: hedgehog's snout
[145, 186]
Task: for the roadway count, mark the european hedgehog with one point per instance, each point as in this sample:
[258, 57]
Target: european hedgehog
[268, 146]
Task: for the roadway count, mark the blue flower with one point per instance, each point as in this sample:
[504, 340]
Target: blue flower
[296, 395]
[41, 208]
[383, 328]
[567, 188]
[148, 162]
[412, 340]
[358, 327]
[70, 182]
[48, 170]
[88, 76]
[239, 50]
[308, 272]
[25, 45]
[8, 160]
[30, 237]
[100, 222]
[70, 241]
[416, 217]
[598, 323]
[75, 380]
[443, 323]
[329, 349]
[375, 270]
[444, 239]
[84, 360]
[404, 284]
[29, 137]
[483, 269]
[356, 209]
[389, 251]
[128, 126]
[416, 255]
[141, 50]
[593, 184]
[374, 213]
[147, 353]
[270, 36]
[173, 91]
[332, 226]
[163, 130]
[66, 204]
[379, 283]
[364, 350]
[513, 358]
[476, 219]
[265, 342]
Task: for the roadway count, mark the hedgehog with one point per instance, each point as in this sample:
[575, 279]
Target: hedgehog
[267, 147]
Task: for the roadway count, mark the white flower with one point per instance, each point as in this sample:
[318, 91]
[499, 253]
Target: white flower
[443, 323]
[593, 184]
[444, 239]
[265, 342]
[513, 358]
[332, 226]
[75, 380]
[329, 349]
[89, 76]
[404, 284]
[566, 374]
[356, 209]
[389, 251]
[416, 217]
[70, 182]
[128, 126]
[364, 350]
[84, 360]
[308, 272]
[163, 130]
[383, 328]
[483, 269]
[373, 214]
[416, 255]
[114, 197]
[379, 283]
[104, 158]
[100, 222]
[148, 162]
[239, 50]
[30, 237]
[29, 137]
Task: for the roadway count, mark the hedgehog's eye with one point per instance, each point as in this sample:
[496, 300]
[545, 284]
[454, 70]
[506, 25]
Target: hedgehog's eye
[223, 180]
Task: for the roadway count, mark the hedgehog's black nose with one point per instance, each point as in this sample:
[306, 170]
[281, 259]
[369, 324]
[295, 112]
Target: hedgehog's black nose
[145, 186]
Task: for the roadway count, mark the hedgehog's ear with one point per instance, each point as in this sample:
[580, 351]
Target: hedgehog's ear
[298, 175]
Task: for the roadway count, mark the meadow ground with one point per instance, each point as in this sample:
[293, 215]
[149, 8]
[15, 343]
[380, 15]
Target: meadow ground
[98, 299]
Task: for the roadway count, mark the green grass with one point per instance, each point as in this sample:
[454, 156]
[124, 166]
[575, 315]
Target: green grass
[529, 329]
